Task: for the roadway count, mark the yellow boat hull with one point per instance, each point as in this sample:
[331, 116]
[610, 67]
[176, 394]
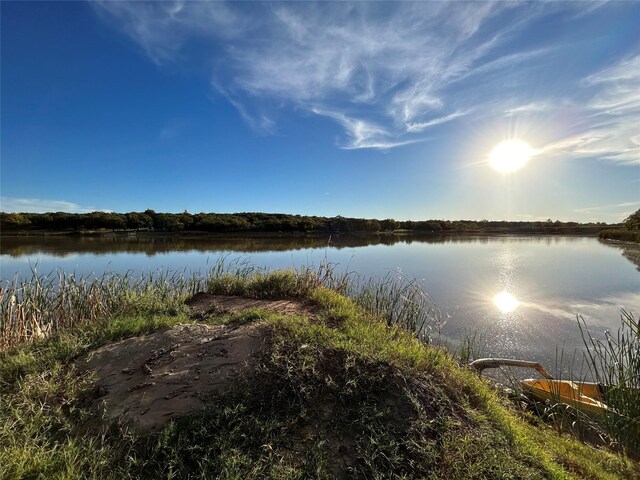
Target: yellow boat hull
[581, 395]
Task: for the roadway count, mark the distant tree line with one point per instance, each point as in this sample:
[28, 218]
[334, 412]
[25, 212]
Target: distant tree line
[149, 220]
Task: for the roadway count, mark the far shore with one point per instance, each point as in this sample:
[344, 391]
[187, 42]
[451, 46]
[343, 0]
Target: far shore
[588, 231]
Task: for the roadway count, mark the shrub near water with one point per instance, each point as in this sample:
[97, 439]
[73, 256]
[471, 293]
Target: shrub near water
[628, 232]
[620, 234]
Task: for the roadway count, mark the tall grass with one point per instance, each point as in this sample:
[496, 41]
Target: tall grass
[615, 363]
[393, 298]
[42, 305]
[39, 306]
[399, 301]
[472, 346]
[612, 362]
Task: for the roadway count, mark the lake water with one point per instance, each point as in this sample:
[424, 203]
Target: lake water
[521, 294]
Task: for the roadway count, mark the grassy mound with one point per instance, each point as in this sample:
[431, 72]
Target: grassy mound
[336, 394]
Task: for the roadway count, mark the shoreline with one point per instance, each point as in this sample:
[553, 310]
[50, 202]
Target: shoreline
[317, 234]
[284, 345]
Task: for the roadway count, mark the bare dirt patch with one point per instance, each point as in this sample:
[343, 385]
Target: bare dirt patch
[148, 380]
[203, 304]
[145, 381]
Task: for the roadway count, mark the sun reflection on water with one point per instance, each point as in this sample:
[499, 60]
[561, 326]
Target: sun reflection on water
[505, 302]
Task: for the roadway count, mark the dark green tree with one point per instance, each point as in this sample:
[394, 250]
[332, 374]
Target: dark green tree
[632, 222]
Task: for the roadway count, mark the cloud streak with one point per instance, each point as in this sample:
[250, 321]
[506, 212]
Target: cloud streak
[608, 207]
[377, 70]
[40, 205]
[162, 29]
[385, 73]
[612, 116]
[362, 134]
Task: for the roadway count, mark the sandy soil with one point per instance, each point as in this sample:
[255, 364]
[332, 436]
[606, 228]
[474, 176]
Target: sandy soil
[203, 304]
[145, 381]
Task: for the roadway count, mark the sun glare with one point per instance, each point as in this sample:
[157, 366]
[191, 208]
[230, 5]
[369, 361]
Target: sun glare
[510, 155]
[505, 302]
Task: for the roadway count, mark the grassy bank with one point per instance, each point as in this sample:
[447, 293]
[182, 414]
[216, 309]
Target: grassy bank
[42, 305]
[348, 392]
[620, 235]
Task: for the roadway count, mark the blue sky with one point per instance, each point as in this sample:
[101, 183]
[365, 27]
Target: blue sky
[367, 110]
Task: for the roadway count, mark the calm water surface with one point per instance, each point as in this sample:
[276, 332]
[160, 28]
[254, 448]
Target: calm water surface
[521, 294]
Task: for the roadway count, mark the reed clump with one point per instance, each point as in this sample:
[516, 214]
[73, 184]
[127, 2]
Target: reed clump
[614, 362]
[611, 360]
[40, 306]
[399, 301]
[37, 307]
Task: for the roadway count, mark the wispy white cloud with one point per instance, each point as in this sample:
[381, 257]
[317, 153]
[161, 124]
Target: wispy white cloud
[384, 72]
[532, 107]
[362, 61]
[507, 61]
[589, 7]
[420, 126]
[163, 28]
[362, 67]
[609, 207]
[40, 205]
[363, 134]
[612, 114]
[258, 121]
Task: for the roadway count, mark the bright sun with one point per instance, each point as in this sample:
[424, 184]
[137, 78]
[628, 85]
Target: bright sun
[505, 302]
[510, 155]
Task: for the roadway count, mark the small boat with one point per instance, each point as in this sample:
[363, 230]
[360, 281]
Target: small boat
[585, 396]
